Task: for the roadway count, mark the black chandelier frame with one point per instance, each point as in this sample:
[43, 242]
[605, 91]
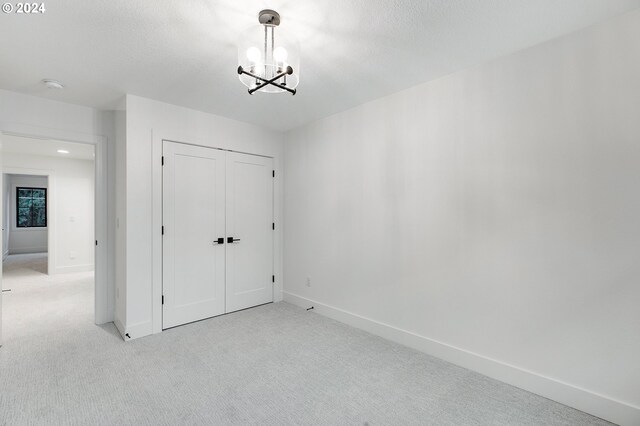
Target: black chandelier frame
[266, 82]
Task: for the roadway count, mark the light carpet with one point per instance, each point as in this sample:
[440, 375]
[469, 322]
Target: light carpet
[275, 364]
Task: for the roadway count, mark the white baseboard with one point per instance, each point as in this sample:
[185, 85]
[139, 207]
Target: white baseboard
[72, 269]
[28, 250]
[135, 331]
[590, 402]
[120, 328]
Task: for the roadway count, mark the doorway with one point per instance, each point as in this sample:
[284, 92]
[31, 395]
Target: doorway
[24, 222]
[48, 235]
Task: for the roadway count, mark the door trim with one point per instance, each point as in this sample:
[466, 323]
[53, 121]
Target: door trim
[218, 148]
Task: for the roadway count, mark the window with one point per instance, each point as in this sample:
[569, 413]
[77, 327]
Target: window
[31, 206]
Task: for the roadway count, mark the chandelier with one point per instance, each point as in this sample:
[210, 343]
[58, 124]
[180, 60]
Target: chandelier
[268, 61]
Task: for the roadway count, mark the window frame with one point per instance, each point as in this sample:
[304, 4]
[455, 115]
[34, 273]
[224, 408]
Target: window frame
[46, 212]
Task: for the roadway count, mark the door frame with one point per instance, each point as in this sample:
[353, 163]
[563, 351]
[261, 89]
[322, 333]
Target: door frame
[104, 292]
[158, 138]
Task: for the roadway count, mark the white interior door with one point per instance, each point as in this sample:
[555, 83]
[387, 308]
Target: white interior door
[193, 219]
[249, 211]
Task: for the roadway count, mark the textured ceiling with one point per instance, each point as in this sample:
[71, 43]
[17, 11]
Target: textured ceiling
[183, 52]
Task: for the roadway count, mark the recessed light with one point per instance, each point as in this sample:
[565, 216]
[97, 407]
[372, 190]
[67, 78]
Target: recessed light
[63, 151]
[53, 84]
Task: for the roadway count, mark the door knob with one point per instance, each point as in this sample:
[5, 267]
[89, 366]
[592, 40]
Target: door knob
[231, 240]
[219, 241]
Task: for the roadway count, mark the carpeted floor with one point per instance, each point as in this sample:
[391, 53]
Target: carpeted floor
[275, 364]
[38, 303]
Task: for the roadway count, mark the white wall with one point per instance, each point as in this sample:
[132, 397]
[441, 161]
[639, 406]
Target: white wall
[148, 122]
[71, 207]
[24, 240]
[489, 217]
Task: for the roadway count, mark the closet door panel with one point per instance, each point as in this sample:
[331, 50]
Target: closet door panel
[193, 218]
[249, 213]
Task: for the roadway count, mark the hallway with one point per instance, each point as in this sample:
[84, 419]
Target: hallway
[38, 303]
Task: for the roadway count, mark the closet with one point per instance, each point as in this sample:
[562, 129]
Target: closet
[217, 232]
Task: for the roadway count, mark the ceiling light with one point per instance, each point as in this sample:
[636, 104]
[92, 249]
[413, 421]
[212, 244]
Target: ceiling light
[63, 151]
[268, 62]
[53, 84]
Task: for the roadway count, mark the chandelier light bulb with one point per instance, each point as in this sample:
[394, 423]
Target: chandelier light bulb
[280, 54]
[258, 68]
[254, 54]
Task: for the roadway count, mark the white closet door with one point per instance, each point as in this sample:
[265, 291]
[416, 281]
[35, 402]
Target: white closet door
[249, 221]
[193, 219]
